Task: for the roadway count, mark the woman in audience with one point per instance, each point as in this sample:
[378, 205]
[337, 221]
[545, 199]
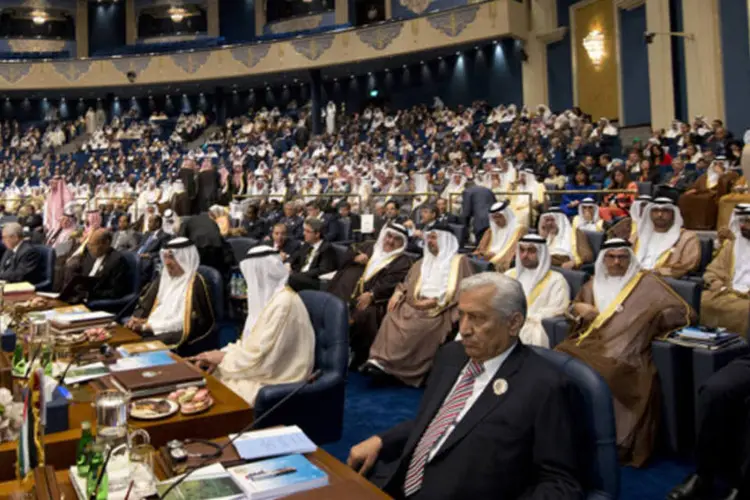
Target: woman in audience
[617, 205]
[581, 181]
[659, 157]
[554, 177]
[648, 173]
[277, 345]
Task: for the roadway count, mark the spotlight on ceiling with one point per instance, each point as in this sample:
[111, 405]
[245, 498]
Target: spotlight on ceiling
[177, 14]
[38, 17]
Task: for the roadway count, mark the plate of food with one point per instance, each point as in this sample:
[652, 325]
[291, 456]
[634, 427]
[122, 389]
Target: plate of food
[72, 339]
[97, 335]
[192, 400]
[153, 408]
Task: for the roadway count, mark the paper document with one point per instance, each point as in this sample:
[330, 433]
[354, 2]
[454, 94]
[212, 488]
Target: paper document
[273, 442]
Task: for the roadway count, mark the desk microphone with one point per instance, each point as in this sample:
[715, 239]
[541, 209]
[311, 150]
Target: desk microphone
[309, 380]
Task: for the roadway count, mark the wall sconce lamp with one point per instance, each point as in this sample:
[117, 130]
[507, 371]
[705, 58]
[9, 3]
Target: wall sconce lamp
[594, 45]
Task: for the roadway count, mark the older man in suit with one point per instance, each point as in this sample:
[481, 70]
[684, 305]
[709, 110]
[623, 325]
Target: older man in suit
[315, 258]
[476, 204]
[21, 261]
[496, 419]
[103, 273]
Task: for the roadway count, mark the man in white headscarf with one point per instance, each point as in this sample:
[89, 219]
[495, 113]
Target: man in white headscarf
[588, 216]
[421, 312]
[662, 245]
[176, 308]
[277, 345]
[547, 291]
[452, 190]
[527, 183]
[569, 248]
[366, 281]
[725, 302]
[617, 315]
[498, 245]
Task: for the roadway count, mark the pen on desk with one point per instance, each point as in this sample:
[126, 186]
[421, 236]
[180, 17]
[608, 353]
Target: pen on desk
[261, 474]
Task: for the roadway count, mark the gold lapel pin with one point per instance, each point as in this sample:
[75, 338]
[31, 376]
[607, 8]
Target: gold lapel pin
[500, 386]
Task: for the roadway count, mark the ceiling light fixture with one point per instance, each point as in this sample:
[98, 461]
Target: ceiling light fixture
[177, 14]
[39, 17]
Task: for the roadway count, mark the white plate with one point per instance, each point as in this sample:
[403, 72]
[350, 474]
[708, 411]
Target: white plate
[151, 415]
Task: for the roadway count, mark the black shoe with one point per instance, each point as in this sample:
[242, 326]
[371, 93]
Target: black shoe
[693, 488]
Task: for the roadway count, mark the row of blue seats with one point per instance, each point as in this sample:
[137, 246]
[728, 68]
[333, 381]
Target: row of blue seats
[293, 34]
[160, 48]
[34, 56]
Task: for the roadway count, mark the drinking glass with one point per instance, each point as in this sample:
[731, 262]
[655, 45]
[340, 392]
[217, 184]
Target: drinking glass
[142, 470]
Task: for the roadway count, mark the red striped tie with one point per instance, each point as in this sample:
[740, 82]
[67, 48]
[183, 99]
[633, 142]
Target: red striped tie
[445, 417]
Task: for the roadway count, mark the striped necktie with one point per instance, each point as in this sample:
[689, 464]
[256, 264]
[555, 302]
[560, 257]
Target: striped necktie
[445, 417]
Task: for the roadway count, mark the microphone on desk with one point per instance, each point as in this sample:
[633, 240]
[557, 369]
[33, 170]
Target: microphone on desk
[309, 380]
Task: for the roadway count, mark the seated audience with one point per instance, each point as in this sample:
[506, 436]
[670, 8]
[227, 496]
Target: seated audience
[428, 215]
[176, 308]
[366, 281]
[588, 216]
[498, 245]
[282, 242]
[617, 315]
[569, 248]
[21, 261]
[105, 265]
[443, 215]
[349, 223]
[421, 312]
[125, 239]
[581, 181]
[725, 301]
[699, 204]
[292, 220]
[722, 449]
[547, 291]
[617, 205]
[277, 345]
[524, 208]
[681, 179]
[477, 416]
[313, 259]
[627, 227]
[252, 225]
[154, 239]
[662, 245]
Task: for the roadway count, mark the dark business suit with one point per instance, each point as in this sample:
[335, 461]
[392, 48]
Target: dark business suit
[324, 261]
[351, 231]
[152, 242]
[289, 247]
[476, 204]
[25, 264]
[111, 279]
[520, 444]
[331, 227]
[446, 218]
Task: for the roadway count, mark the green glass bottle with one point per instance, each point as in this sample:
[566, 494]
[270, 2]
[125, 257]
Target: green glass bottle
[96, 463]
[18, 357]
[83, 449]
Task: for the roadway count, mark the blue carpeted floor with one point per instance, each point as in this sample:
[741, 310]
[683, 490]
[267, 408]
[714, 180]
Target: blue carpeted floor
[370, 410]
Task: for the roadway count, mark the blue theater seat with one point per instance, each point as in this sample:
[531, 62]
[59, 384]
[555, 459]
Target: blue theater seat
[216, 290]
[48, 268]
[330, 319]
[240, 246]
[598, 421]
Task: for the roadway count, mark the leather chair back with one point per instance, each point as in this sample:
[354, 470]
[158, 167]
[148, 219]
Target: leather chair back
[688, 290]
[340, 252]
[48, 268]
[240, 246]
[595, 241]
[707, 251]
[575, 279]
[133, 262]
[460, 231]
[598, 422]
[330, 319]
[215, 289]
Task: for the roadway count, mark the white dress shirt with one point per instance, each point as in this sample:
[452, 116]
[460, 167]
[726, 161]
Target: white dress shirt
[97, 264]
[310, 257]
[491, 366]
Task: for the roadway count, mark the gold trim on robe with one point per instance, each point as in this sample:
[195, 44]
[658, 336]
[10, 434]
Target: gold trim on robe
[513, 241]
[361, 282]
[537, 288]
[605, 315]
[450, 289]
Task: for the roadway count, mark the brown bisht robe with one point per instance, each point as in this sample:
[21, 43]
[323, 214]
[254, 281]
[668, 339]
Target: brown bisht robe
[724, 308]
[198, 333]
[617, 344]
[623, 229]
[502, 261]
[582, 252]
[683, 257]
[700, 209]
[408, 337]
[348, 284]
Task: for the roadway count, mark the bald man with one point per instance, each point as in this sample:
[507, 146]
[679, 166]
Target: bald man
[103, 273]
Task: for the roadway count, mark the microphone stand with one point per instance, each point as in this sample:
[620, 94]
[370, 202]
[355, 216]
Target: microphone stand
[312, 378]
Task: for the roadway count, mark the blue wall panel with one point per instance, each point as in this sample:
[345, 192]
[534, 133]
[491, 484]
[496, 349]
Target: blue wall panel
[736, 59]
[560, 64]
[106, 26]
[678, 62]
[237, 20]
[636, 95]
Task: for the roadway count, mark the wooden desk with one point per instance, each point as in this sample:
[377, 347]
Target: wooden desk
[229, 414]
[344, 483]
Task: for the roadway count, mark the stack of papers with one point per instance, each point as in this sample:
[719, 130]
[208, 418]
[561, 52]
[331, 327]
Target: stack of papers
[273, 442]
[277, 477]
[213, 482]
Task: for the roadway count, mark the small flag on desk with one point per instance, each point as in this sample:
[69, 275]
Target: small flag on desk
[27, 446]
